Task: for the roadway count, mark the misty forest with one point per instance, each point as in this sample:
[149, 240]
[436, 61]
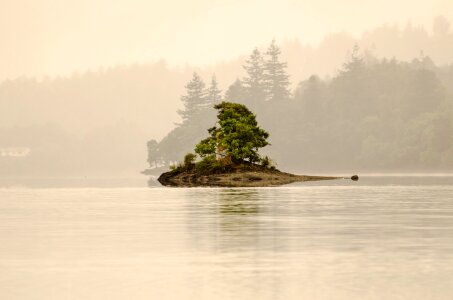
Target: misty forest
[380, 103]
[376, 114]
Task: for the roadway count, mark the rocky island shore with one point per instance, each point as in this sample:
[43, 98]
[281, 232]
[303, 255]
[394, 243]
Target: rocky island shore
[236, 178]
[229, 156]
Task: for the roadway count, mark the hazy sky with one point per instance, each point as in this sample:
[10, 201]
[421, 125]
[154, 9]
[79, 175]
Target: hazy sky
[58, 37]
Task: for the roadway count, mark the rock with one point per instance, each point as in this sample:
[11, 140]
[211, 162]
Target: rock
[355, 177]
[235, 179]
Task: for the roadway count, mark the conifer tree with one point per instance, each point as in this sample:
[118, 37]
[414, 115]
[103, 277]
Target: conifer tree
[153, 153]
[236, 92]
[355, 62]
[214, 94]
[276, 78]
[254, 83]
[194, 100]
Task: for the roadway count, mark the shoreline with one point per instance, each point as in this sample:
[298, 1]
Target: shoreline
[266, 178]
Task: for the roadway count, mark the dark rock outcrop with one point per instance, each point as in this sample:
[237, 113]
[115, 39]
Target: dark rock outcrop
[243, 178]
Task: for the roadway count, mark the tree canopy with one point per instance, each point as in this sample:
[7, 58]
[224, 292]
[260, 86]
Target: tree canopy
[254, 82]
[194, 100]
[213, 93]
[236, 136]
[275, 75]
[374, 114]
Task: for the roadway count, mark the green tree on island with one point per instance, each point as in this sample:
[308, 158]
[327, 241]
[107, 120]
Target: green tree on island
[237, 136]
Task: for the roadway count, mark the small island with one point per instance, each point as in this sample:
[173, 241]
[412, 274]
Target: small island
[229, 156]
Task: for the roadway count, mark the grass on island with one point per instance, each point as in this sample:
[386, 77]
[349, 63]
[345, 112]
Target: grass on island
[210, 165]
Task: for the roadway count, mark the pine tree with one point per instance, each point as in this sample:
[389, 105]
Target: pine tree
[254, 83]
[153, 153]
[236, 92]
[214, 94]
[194, 100]
[355, 62]
[213, 97]
[276, 78]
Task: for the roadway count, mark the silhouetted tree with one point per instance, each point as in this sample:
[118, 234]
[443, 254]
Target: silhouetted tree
[213, 97]
[194, 100]
[254, 82]
[374, 114]
[214, 94]
[355, 62]
[236, 92]
[309, 99]
[153, 149]
[351, 88]
[276, 77]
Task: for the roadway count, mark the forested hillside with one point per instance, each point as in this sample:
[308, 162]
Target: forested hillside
[374, 115]
[96, 122]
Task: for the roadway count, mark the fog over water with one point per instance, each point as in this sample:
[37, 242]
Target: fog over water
[94, 92]
[85, 85]
[378, 238]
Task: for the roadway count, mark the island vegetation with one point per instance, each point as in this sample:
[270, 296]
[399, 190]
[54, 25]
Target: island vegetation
[374, 114]
[229, 156]
[384, 107]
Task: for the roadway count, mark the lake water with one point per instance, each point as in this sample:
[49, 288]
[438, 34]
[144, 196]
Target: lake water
[378, 238]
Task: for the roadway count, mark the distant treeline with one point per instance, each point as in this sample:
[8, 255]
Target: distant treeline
[87, 124]
[98, 122]
[374, 115]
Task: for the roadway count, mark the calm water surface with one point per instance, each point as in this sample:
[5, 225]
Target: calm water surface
[379, 238]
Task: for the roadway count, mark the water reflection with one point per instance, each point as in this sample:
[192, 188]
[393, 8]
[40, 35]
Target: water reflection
[152, 182]
[299, 242]
[235, 220]
[239, 227]
[238, 202]
[39, 182]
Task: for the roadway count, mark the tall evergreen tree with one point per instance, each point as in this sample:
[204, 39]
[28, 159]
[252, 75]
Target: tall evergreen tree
[153, 153]
[214, 94]
[355, 62]
[235, 92]
[276, 77]
[194, 100]
[351, 87]
[213, 97]
[254, 83]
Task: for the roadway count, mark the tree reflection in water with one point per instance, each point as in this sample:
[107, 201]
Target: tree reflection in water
[238, 202]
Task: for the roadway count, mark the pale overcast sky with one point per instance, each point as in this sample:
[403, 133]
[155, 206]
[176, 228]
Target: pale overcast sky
[58, 37]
